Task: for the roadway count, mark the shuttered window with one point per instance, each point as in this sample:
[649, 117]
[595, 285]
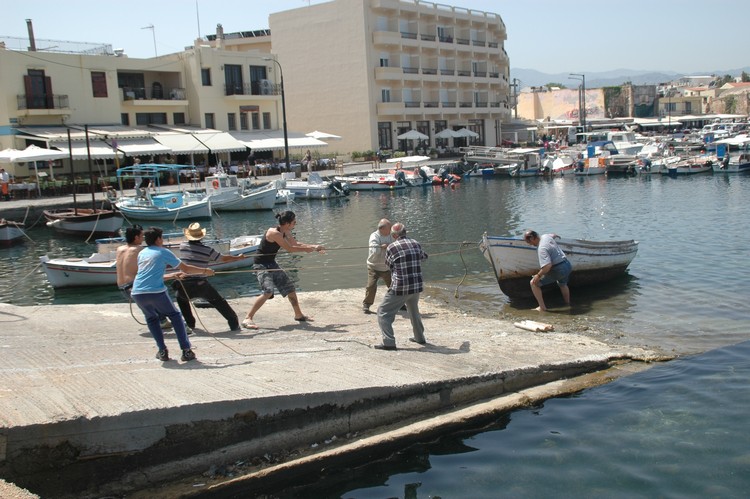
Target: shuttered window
[99, 83]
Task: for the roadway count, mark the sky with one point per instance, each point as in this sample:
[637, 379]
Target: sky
[551, 36]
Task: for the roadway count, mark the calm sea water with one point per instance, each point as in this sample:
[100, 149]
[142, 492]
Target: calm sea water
[685, 293]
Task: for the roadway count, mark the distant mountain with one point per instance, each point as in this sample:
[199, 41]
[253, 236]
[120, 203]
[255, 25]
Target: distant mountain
[534, 78]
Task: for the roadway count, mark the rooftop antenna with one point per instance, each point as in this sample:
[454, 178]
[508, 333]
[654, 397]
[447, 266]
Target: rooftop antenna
[153, 33]
[198, 17]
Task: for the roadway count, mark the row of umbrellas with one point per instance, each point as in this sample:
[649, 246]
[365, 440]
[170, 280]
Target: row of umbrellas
[443, 134]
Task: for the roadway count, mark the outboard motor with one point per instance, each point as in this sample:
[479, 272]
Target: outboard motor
[341, 189]
[423, 174]
[401, 177]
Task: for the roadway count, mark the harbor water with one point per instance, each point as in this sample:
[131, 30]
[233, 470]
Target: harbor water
[685, 294]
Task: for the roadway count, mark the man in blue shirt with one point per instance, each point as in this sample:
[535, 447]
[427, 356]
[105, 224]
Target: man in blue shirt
[404, 257]
[150, 293]
[555, 266]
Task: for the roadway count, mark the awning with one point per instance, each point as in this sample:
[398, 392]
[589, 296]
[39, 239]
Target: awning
[181, 143]
[99, 149]
[270, 141]
[142, 147]
[219, 141]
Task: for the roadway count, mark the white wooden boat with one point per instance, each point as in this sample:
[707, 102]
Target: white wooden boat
[100, 269]
[317, 188]
[739, 155]
[153, 204]
[228, 193]
[85, 221]
[514, 261]
[11, 233]
[592, 166]
[691, 165]
[373, 182]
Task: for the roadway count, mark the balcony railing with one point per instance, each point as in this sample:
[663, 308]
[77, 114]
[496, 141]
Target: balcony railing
[479, 43]
[428, 38]
[448, 103]
[430, 103]
[42, 102]
[408, 70]
[481, 104]
[494, 75]
[480, 74]
[448, 72]
[494, 104]
[492, 45]
[429, 71]
[466, 103]
[461, 72]
[411, 103]
[260, 87]
[408, 35]
[462, 41]
[152, 93]
[446, 39]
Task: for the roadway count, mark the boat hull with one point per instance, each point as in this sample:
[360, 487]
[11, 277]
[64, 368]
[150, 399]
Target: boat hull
[11, 233]
[264, 199]
[100, 268]
[86, 222]
[515, 262]
[196, 210]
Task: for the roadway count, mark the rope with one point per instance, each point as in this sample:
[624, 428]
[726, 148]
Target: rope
[98, 216]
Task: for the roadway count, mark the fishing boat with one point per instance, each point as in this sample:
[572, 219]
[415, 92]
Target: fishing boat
[11, 233]
[100, 269]
[514, 261]
[151, 203]
[735, 159]
[373, 182]
[591, 166]
[229, 193]
[691, 165]
[317, 188]
[94, 222]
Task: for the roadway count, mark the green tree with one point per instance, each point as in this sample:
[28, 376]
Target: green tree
[723, 80]
[556, 85]
[745, 77]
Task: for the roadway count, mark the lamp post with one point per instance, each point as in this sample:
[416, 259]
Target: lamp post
[283, 110]
[582, 99]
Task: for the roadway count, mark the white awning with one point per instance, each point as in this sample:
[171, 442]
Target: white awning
[181, 143]
[219, 141]
[99, 149]
[270, 141]
[142, 147]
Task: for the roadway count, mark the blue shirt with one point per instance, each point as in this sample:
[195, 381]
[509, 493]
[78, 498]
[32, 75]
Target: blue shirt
[152, 262]
[404, 257]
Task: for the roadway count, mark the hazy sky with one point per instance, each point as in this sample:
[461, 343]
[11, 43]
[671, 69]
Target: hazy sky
[685, 36]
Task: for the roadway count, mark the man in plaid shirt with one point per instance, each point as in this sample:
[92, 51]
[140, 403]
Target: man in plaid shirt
[404, 257]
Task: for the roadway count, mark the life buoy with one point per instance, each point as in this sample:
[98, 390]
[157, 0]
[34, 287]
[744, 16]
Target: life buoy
[602, 161]
[174, 200]
[215, 183]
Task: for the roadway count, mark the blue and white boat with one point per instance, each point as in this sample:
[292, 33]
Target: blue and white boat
[150, 202]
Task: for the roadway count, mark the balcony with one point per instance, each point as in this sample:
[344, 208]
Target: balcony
[448, 72]
[154, 96]
[466, 103]
[448, 103]
[429, 71]
[408, 70]
[412, 103]
[254, 89]
[43, 105]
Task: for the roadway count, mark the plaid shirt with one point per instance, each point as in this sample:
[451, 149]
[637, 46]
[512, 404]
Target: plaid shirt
[404, 257]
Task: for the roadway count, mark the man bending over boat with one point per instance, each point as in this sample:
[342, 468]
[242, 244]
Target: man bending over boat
[555, 266]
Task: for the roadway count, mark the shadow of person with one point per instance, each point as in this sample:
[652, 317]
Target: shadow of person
[428, 347]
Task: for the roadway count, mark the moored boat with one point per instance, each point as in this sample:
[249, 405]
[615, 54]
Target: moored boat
[11, 233]
[317, 188]
[84, 221]
[514, 261]
[229, 193]
[100, 269]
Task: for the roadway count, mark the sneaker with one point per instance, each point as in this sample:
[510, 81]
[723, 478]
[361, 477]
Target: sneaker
[237, 329]
[190, 330]
[188, 355]
[165, 325]
[163, 355]
[418, 342]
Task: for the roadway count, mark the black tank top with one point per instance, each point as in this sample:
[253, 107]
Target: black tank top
[266, 251]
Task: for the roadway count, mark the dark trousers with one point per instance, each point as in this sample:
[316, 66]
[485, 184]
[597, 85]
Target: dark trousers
[188, 289]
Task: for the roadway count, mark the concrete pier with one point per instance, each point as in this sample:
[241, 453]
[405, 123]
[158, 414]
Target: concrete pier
[86, 409]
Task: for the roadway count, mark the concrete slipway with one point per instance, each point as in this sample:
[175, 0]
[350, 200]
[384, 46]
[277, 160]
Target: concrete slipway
[87, 411]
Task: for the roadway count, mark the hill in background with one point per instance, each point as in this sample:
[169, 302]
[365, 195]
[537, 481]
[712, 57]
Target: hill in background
[534, 78]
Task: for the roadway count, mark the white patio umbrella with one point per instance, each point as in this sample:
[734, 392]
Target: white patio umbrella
[465, 132]
[33, 153]
[446, 133]
[412, 135]
[322, 135]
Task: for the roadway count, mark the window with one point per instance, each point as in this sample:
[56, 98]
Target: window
[384, 135]
[384, 62]
[243, 122]
[256, 121]
[132, 84]
[178, 118]
[233, 79]
[151, 118]
[231, 121]
[206, 77]
[257, 75]
[209, 118]
[385, 95]
[125, 119]
[688, 108]
[267, 121]
[99, 83]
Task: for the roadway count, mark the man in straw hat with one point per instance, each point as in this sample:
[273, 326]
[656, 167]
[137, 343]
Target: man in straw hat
[194, 252]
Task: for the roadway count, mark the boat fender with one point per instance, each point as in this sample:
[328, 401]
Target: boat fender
[215, 183]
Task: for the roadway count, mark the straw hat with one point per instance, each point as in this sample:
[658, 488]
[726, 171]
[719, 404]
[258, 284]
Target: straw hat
[194, 232]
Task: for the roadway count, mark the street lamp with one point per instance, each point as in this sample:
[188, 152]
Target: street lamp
[283, 110]
[582, 99]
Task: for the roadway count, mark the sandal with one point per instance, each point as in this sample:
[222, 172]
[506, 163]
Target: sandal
[304, 318]
[249, 324]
